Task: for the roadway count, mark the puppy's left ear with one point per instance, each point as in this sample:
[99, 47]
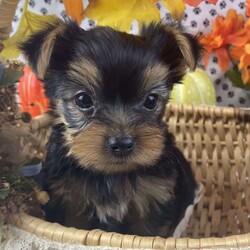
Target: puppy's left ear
[190, 48]
[48, 49]
[176, 48]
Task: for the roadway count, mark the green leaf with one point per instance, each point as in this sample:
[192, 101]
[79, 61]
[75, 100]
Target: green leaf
[10, 76]
[234, 76]
[3, 194]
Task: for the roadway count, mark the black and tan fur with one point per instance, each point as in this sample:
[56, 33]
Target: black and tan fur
[147, 191]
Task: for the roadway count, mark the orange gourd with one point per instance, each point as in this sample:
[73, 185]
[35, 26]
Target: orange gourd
[31, 94]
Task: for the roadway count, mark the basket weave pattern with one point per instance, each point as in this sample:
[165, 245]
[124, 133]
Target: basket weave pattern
[216, 141]
[7, 12]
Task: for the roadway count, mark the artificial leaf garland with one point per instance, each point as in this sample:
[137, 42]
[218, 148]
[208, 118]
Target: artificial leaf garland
[74, 9]
[29, 23]
[230, 41]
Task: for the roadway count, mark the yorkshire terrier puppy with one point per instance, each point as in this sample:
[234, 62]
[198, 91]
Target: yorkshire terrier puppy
[111, 162]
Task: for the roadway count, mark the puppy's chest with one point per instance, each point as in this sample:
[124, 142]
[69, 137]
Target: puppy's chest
[116, 199]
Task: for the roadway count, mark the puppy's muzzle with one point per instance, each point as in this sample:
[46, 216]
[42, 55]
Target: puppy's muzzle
[121, 146]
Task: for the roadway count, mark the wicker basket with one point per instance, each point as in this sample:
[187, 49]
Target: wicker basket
[7, 12]
[217, 143]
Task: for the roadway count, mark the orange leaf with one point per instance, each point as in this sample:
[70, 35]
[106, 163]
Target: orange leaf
[247, 49]
[244, 61]
[213, 1]
[237, 52]
[248, 8]
[245, 75]
[195, 3]
[223, 58]
[236, 40]
[74, 9]
[227, 31]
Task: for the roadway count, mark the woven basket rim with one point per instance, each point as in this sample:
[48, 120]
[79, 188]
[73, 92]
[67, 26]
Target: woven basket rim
[59, 233]
[97, 237]
[242, 114]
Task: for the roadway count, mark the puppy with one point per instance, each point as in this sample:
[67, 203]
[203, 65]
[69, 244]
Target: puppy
[111, 162]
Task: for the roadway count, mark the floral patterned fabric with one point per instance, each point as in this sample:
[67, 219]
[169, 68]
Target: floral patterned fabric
[195, 20]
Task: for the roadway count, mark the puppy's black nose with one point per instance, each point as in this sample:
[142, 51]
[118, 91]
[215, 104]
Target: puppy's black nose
[121, 146]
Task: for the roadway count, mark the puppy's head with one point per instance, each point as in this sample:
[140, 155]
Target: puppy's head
[110, 88]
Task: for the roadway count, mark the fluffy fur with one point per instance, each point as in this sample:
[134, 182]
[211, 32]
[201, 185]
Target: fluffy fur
[146, 192]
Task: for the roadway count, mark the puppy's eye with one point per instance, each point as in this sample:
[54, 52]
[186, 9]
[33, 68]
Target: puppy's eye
[151, 102]
[83, 101]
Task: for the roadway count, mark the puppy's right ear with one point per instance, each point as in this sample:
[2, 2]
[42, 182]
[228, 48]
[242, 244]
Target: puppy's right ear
[46, 43]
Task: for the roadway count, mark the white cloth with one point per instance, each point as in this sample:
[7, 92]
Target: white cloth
[17, 239]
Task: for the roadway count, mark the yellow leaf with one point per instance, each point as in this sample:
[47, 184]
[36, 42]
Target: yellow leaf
[119, 14]
[175, 7]
[29, 23]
